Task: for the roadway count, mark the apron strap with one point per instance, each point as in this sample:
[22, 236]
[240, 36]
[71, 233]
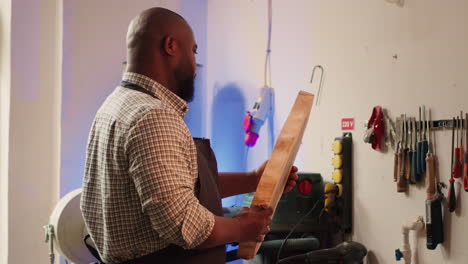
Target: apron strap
[92, 250]
[136, 87]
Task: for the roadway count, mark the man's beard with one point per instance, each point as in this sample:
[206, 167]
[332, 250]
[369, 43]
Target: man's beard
[185, 85]
[186, 89]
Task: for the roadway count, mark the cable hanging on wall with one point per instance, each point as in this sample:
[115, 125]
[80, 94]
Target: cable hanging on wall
[263, 108]
[267, 73]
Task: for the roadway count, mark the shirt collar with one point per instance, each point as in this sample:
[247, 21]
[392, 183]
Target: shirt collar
[161, 92]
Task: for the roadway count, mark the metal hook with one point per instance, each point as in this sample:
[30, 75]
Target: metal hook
[321, 81]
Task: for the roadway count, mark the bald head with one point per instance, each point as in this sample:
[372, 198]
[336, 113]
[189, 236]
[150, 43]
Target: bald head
[161, 45]
[152, 25]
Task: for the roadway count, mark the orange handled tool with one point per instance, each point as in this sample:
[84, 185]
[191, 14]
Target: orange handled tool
[402, 182]
[430, 175]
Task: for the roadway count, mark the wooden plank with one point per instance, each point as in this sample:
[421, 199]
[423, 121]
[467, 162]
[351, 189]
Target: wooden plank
[275, 175]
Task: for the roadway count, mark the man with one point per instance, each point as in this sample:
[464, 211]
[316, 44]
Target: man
[151, 192]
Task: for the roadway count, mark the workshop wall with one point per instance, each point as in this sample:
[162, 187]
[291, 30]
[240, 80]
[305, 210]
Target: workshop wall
[5, 78]
[92, 67]
[30, 52]
[373, 53]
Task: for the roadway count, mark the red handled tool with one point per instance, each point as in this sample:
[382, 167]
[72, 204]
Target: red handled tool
[452, 201]
[456, 162]
[465, 165]
[461, 151]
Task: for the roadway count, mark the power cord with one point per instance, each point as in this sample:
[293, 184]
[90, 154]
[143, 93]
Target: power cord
[267, 73]
[294, 228]
[321, 198]
[320, 215]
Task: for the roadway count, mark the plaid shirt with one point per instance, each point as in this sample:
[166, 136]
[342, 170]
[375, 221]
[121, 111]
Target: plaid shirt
[140, 175]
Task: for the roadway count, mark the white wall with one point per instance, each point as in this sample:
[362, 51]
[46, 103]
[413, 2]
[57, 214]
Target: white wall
[32, 87]
[94, 49]
[5, 62]
[355, 41]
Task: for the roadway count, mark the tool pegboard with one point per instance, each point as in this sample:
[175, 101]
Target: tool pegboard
[416, 162]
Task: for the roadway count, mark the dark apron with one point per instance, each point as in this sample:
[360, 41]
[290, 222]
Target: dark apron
[208, 195]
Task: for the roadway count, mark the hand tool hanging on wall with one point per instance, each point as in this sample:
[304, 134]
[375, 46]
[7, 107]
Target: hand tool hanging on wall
[465, 165]
[397, 161]
[375, 129]
[434, 220]
[408, 151]
[389, 133]
[456, 161]
[413, 151]
[414, 161]
[451, 195]
[460, 154]
[430, 157]
[419, 149]
[410, 157]
[402, 184]
[424, 146]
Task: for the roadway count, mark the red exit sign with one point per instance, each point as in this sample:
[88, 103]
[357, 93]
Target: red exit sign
[347, 124]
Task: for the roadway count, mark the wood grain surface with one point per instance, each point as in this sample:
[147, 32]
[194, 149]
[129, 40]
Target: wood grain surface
[274, 177]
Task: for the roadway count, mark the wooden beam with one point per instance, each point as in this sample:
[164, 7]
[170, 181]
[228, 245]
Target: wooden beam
[274, 177]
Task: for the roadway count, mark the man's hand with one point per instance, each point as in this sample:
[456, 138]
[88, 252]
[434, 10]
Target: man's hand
[291, 179]
[253, 225]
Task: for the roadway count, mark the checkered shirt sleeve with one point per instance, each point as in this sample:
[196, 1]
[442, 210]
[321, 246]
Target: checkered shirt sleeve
[157, 149]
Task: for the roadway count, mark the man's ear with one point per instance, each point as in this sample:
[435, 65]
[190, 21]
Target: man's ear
[169, 45]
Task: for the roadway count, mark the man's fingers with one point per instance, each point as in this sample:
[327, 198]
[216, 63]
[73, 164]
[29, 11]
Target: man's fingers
[267, 211]
[293, 176]
[260, 238]
[265, 230]
[294, 169]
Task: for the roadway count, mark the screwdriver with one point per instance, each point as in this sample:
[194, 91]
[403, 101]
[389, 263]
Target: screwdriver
[397, 162]
[462, 160]
[424, 146]
[451, 195]
[402, 185]
[414, 161]
[456, 162]
[419, 150]
[465, 165]
[408, 152]
[412, 153]
[430, 176]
